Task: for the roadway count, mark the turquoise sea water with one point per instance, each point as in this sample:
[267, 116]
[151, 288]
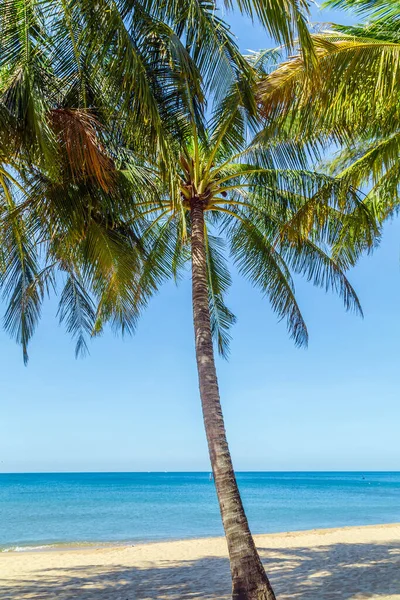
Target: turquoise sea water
[41, 509]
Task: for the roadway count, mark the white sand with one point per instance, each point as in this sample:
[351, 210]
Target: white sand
[347, 564]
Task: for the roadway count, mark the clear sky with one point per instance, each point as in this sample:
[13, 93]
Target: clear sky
[133, 404]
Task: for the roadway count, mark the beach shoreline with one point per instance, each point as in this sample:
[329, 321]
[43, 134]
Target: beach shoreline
[319, 564]
[100, 544]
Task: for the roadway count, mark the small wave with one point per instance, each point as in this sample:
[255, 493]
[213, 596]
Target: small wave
[26, 548]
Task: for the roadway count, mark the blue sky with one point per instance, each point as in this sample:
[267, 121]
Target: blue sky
[133, 404]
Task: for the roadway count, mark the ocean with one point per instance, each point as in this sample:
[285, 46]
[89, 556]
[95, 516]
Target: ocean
[73, 508]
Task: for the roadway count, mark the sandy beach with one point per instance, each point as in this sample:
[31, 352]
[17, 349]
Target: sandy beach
[347, 563]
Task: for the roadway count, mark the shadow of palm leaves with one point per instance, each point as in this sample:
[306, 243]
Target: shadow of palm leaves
[345, 571]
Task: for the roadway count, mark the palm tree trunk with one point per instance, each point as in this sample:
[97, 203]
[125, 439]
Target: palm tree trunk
[249, 580]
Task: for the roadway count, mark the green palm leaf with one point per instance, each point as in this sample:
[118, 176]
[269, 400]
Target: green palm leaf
[219, 281]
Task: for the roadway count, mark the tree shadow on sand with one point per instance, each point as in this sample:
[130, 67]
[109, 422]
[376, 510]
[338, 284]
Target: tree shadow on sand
[345, 571]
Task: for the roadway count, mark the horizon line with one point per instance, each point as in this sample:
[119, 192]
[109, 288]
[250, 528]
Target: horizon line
[194, 471]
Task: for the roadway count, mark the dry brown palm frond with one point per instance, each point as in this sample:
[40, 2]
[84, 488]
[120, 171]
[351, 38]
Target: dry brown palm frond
[78, 134]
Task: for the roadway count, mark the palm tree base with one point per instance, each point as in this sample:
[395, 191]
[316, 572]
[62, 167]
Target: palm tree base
[258, 594]
[248, 590]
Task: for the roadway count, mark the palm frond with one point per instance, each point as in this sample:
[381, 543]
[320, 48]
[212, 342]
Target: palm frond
[285, 20]
[355, 88]
[77, 309]
[219, 281]
[77, 133]
[19, 274]
[257, 260]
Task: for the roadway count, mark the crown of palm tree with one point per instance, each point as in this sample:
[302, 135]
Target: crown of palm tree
[117, 227]
[80, 198]
[259, 201]
[87, 90]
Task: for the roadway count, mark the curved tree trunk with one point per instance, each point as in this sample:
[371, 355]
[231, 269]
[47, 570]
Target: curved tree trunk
[249, 580]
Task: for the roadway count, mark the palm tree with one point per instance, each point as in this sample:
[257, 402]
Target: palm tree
[254, 199]
[87, 197]
[116, 229]
[353, 103]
